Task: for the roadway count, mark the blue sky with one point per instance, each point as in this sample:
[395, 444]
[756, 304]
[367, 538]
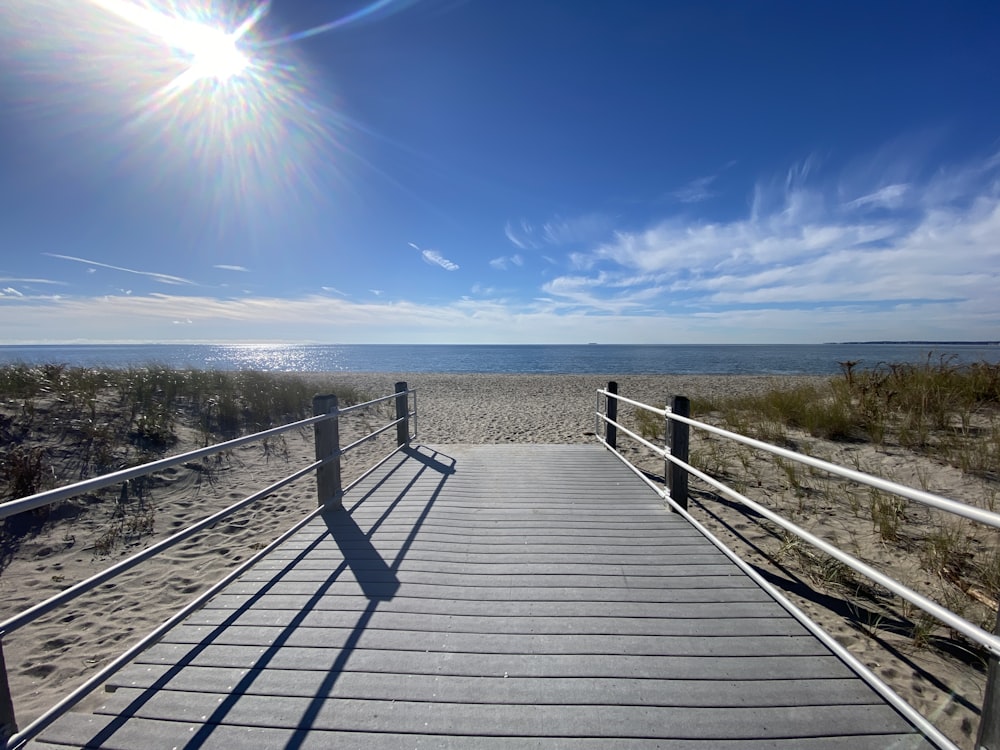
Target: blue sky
[510, 171]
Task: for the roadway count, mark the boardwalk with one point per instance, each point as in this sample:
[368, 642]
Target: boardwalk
[492, 597]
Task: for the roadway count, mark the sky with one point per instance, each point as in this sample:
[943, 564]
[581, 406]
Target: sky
[499, 171]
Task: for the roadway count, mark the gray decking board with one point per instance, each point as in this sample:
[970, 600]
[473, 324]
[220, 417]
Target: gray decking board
[512, 665]
[592, 624]
[495, 597]
[151, 734]
[455, 689]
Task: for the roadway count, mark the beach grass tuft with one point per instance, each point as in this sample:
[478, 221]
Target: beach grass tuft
[101, 419]
[940, 408]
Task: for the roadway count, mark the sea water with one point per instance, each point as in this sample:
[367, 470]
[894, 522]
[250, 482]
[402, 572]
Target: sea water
[609, 359]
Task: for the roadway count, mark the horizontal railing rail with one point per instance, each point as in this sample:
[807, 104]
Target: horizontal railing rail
[678, 423]
[926, 498]
[327, 465]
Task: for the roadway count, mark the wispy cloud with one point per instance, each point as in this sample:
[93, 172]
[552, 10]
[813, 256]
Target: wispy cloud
[700, 188]
[334, 290]
[521, 235]
[163, 278]
[558, 231]
[890, 196]
[696, 191]
[226, 267]
[799, 249]
[506, 261]
[576, 230]
[21, 280]
[434, 258]
[892, 257]
[583, 292]
[11, 291]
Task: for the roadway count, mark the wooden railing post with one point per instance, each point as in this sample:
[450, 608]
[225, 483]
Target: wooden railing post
[402, 412]
[988, 737]
[8, 726]
[611, 410]
[327, 436]
[677, 441]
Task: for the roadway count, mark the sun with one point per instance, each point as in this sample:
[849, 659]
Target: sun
[192, 92]
[207, 50]
[214, 54]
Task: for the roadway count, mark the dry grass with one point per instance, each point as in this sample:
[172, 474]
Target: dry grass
[60, 424]
[106, 419]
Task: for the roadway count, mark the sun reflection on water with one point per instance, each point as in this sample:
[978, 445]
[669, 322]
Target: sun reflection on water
[277, 358]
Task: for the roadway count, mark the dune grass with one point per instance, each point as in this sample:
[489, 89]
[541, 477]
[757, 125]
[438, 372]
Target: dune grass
[939, 408]
[100, 419]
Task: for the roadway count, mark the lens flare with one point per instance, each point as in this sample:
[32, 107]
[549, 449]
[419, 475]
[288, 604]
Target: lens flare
[187, 94]
[368, 12]
[213, 53]
[178, 93]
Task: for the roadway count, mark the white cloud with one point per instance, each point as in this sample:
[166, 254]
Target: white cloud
[798, 248]
[12, 291]
[801, 265]
[163, 278]
[890, 196]
[334, 290]
[436, 259]
[576, 230]
[21, 280]
[225, 267]
[521, 236]
[152, 318]
[558, 231]
[696, 191]
[506, 261]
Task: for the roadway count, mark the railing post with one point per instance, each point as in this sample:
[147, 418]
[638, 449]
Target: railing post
[327, 436]
[677, 436]
[8, 727]
[402, 412]
[611, 409]
[988, 737]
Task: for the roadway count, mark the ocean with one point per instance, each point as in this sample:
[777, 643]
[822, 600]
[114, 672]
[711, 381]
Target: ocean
[608, 359]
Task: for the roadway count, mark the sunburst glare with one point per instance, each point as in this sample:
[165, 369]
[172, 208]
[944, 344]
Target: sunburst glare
[184, 87]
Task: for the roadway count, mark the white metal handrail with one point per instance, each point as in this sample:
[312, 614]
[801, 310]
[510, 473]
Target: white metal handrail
[927, 498]
[403, 415]
[987, 640]
[48, 497]
[137, 648]
[29, 615]
[678, 468]
[865, 673]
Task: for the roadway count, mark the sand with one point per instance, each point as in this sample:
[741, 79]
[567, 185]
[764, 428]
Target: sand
[48, 658]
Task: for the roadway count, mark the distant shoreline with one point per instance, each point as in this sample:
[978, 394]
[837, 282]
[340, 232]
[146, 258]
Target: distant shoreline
[912, 343]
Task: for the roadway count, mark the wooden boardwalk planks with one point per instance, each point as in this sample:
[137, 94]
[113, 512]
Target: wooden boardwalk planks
[492, 597]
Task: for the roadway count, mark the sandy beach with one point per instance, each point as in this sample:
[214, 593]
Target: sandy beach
[48, 658]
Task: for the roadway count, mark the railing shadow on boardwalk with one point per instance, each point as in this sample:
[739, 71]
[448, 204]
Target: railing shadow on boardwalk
[376, 577]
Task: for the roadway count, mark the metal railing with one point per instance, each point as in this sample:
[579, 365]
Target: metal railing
[326, 424]
[677, 424]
